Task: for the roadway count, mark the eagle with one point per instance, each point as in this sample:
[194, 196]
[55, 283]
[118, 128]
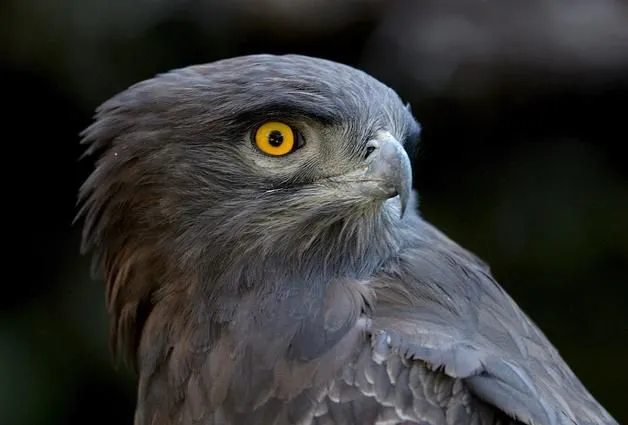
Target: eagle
[265, 263]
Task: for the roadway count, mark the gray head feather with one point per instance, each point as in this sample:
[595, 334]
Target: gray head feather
[180, 194]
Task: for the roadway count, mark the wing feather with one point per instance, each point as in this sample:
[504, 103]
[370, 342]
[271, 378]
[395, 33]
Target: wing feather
[439, 304]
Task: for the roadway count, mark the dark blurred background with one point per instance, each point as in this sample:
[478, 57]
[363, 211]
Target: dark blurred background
[523, 160]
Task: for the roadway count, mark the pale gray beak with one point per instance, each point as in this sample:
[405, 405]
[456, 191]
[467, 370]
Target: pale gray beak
[389, 167]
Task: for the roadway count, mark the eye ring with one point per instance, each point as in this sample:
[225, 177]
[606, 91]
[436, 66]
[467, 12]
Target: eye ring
[276, 138]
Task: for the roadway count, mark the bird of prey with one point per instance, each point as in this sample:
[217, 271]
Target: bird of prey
[265, 262]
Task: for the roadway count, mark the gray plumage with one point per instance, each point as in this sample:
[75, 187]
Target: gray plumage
[249, 289]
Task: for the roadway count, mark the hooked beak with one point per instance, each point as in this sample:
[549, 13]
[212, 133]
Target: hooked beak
[390, 169]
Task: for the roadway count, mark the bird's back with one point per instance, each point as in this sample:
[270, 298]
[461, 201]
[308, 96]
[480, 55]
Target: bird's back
[439, 304]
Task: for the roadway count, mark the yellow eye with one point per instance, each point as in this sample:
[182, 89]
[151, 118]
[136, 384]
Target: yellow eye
[275, 138]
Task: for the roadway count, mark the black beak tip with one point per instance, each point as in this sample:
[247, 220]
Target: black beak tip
[404, 205]
[404, 197]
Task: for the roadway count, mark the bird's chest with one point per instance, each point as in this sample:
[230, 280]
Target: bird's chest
[366, 389]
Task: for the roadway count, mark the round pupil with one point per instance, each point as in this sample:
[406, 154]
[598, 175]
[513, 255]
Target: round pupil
[275, 138]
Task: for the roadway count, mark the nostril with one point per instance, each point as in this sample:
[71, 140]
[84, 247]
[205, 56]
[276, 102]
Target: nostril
[370, 148]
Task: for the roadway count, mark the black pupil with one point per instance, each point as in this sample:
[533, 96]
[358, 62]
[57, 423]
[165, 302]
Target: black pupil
[275, 138]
